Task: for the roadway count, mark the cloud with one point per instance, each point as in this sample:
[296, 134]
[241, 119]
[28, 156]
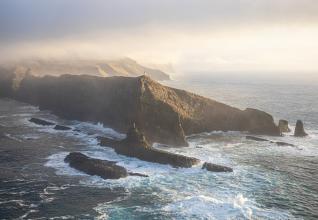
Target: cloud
[33, 19]
[194, 35]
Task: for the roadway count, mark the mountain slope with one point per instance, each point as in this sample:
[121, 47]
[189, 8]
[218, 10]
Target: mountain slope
[105, 68]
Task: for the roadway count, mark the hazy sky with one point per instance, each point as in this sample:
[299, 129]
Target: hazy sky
[193, 35]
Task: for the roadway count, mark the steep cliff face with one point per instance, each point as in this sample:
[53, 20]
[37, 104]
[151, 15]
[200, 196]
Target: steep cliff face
[163, 114]
[189, 113]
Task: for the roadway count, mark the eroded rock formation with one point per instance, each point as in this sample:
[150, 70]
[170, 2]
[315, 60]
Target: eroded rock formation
[283, 126]
[39, 121]
[299, 129]
[216, 168]
[103, 168]
[163, 114]
[136, 145]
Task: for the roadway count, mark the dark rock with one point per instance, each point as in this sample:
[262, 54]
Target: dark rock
[41, 122]
[103, 168]
[255, 138]
[104, 141]
[62, 128]
[136, 145]
[216, 168]
[284, 144]
[164, 115]
[279, 143]
[299, 130]
[283, 126]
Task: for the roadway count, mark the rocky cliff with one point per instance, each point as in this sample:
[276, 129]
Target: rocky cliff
[163, 114]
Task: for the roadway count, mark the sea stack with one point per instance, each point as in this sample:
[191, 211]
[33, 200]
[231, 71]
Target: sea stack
[136, 145]
[283, 126]
[299, 130]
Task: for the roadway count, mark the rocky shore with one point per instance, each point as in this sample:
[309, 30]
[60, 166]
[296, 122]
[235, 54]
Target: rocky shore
[163, 114]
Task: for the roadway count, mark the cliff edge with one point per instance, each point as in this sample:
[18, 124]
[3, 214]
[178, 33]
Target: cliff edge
[163, 114]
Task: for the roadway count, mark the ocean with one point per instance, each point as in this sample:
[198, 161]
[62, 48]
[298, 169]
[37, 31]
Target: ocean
[268, 182]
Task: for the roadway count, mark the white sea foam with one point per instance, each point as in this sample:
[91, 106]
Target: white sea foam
[98, 129]
[193, 193]
[56, 161]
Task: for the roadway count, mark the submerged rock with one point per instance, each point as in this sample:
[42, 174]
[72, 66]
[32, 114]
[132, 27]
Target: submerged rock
[279, 143]
[62, 128]
[283, 126]
[216, 168]
[255, 138]
[39, 121]
[136, 145]
[299, 129]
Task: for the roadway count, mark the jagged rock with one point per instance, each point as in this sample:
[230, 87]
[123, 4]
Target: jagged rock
[164, 115]
[62, 128]
[283, 126]
[255, 138]
[216, 168]
[102, 168]
[299, 129]
[41, 122]
[136, 145]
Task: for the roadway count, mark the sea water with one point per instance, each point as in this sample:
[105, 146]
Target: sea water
[268, 182]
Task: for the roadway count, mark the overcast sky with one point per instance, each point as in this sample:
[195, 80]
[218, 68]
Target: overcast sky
[193, 35]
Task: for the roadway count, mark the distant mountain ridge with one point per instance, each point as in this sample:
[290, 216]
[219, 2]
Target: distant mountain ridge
[106, 68]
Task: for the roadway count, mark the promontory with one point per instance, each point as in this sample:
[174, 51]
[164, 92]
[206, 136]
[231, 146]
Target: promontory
[163, 114]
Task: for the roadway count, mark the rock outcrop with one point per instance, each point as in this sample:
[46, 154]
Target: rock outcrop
[216, 168]
[103, 168]
[283, 126]
[136, 145]
[163, 114]
[299, 129]
[105, 68]
[42, 122]
[62, 128]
